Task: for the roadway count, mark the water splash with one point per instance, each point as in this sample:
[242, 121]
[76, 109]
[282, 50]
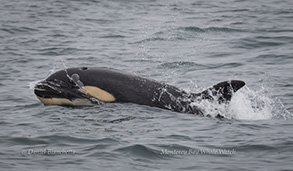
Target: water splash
[251, 105]
[32, 84]
[54, 68]
[246, 104]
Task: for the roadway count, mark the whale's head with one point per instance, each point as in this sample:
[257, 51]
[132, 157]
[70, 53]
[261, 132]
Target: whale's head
[65, 87]
[60, 89]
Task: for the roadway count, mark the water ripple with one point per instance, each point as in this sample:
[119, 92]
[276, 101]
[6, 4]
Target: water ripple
[181, 64]
[139, 150]
[209, 29]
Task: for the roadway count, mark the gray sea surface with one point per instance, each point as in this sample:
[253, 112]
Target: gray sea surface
[189, 44]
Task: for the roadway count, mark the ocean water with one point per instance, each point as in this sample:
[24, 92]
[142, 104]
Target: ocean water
[189, 44]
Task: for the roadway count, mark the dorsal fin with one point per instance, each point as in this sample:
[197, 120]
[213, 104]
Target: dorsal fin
[222, 91]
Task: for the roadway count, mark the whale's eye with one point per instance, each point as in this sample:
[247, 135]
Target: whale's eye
[84, 68]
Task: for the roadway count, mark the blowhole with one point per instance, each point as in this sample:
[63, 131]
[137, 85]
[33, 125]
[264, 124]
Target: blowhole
[84, 68]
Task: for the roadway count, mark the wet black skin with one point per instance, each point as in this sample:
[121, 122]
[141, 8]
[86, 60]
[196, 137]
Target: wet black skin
[127, 88]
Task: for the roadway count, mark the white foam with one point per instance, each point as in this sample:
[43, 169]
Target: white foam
[32, 84]
[246, 104]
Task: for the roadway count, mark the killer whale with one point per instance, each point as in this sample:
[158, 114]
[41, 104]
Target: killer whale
[84, 86]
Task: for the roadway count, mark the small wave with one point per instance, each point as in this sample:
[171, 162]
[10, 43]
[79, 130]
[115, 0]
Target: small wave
[181, 64]
[118, 120]
[113, 36]
[57, 51]
[254, 148]
[271, 59]
[177, 137]
[102, 144]
[275, 30]
[253, 43]
[68, 140]
[16, 30]
[209, 29]
[186, 64]
[225, 65]
[283, 38]
[183, 33]
[139, 150]
[151, 39]
[26, 141]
